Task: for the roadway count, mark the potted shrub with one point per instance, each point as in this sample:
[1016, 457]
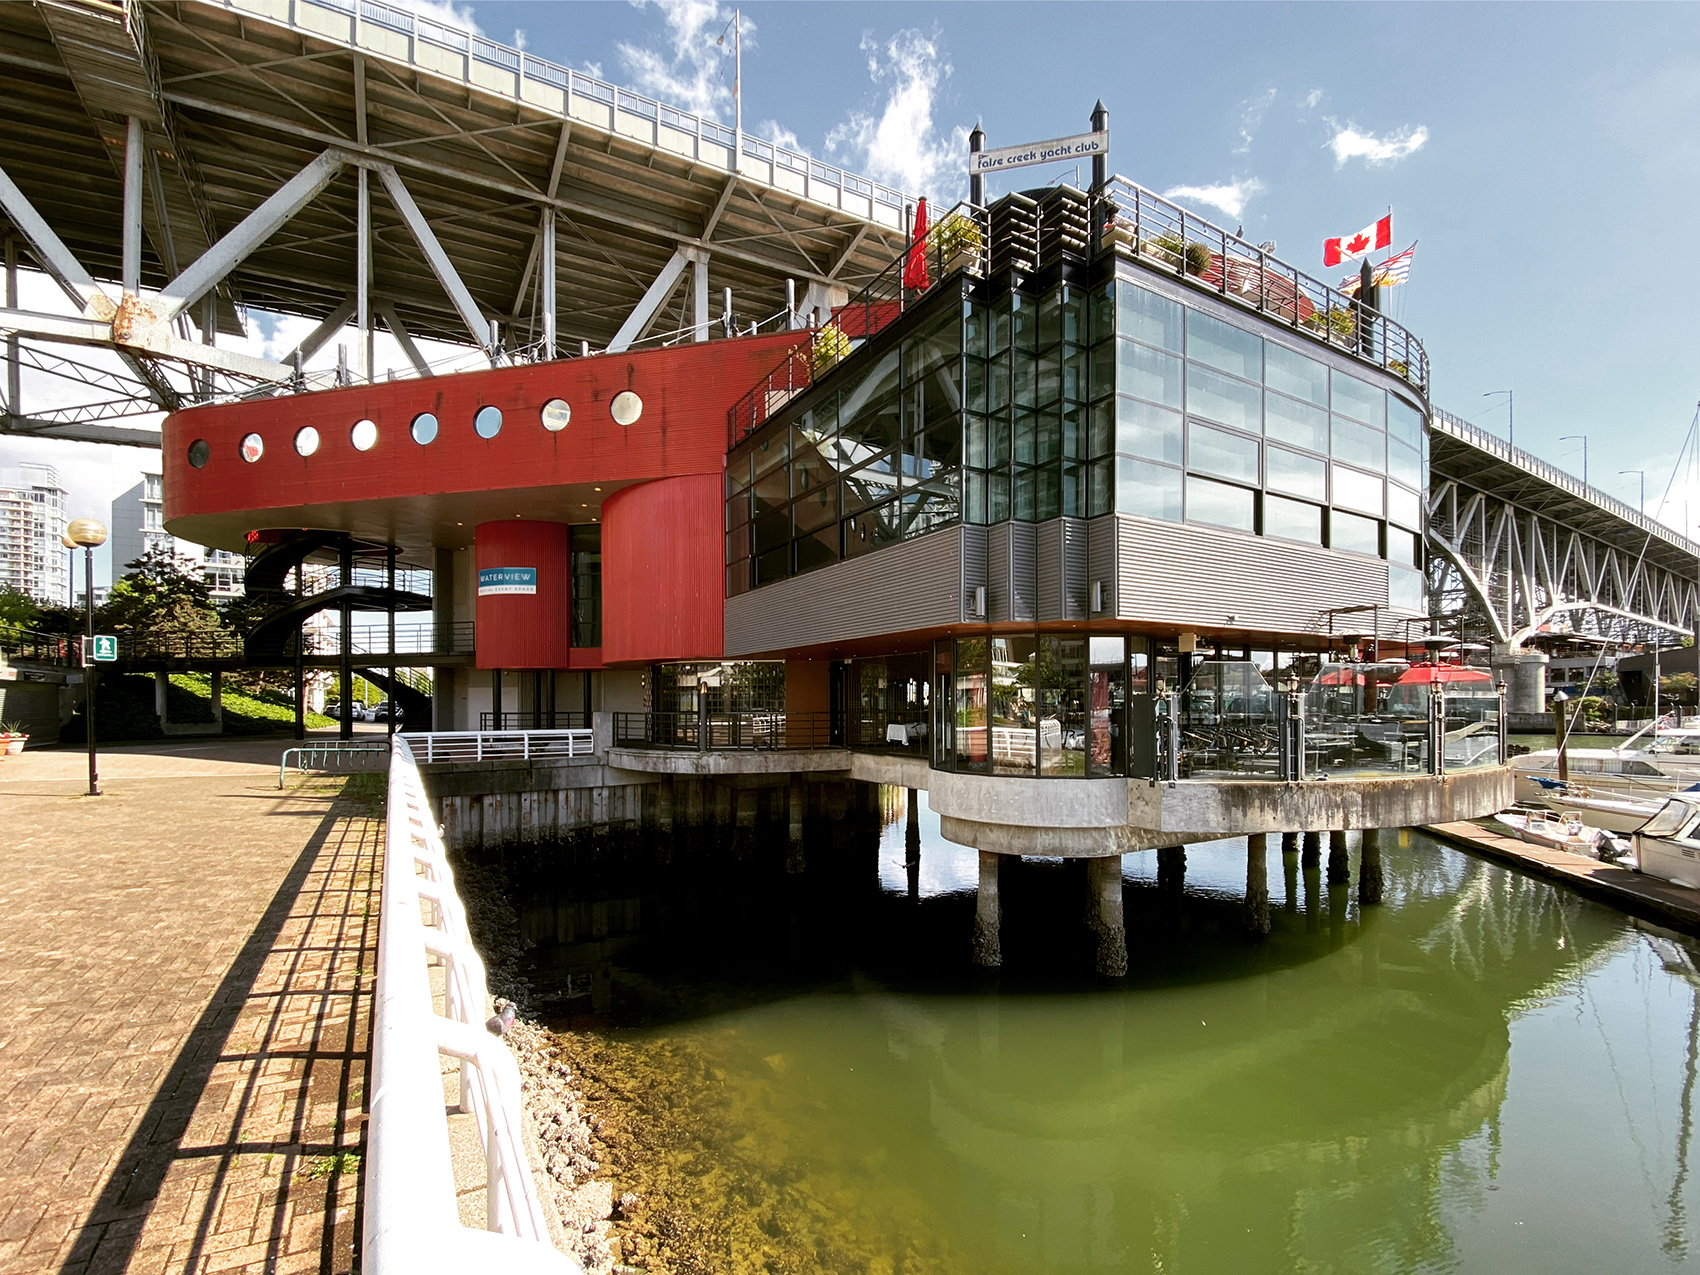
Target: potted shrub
[828, 347]
[1177, 253]
[13, 737]
[959, 243]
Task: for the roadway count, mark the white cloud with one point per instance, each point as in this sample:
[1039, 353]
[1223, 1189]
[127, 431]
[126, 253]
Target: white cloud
[1349, 142]
[901, 145]
[1312, 98]
[1230, 197]
[1252, 111]
[775, 132]
[444, 11]
[693, 72]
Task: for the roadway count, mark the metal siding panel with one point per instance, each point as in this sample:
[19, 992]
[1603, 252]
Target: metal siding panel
[1048, 569]
[1101, 560]
[913, 585]
[997, 572]
[973, 565]
[1023, 571]
[1077, 592]
[1174, 574]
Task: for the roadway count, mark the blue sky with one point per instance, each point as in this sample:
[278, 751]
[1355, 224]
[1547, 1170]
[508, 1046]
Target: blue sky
[1550, 193]
[1546, 159]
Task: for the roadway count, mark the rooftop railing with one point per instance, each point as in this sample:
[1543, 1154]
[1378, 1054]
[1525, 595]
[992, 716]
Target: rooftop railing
[1161, 233]
[411, 1222]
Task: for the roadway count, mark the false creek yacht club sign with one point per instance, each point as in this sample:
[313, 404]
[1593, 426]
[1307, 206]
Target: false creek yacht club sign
[1083, 146]
[493, 581]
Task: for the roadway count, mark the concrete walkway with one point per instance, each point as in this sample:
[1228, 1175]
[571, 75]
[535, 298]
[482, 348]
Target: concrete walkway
[185, 975]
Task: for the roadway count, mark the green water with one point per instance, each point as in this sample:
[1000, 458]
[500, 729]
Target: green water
[1485, 1073]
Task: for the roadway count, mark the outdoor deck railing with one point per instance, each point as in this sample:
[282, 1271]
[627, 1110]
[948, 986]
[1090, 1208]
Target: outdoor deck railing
[529, 719]
[778, 730]
[1163, 233]
[500, 745]
[411, 1213]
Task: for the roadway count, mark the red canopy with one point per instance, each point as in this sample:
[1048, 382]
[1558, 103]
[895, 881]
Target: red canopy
[1429, 673]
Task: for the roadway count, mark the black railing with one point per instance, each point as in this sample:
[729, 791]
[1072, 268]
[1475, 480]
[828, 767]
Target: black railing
[530, 720]
[369, 641]
[777, 731]
[44, 648]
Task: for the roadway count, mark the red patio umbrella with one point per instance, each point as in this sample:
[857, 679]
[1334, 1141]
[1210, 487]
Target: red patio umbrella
[915, 268]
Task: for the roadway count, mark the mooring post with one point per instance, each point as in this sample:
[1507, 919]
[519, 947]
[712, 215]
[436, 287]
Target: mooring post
[1171, 869]
[1257, 884]
[1369, 867]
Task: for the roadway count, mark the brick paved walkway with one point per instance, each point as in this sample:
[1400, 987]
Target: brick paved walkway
[185, 975]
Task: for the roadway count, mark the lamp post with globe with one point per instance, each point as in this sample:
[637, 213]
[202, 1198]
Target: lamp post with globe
[88, 533]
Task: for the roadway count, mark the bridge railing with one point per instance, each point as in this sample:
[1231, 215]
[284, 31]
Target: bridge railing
[501, 745]
[1456, 427]
[411, 1223]
[44, 648]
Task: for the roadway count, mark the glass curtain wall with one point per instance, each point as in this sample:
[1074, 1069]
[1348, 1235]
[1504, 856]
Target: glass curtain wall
[585, 544]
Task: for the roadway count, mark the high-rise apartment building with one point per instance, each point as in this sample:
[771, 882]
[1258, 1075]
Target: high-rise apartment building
[138, 527]
[32, 519]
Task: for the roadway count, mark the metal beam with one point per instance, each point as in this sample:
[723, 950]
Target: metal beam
[254, 229]
[439, 261]
[135, 151]
[54, 256]
[121, 435]
[699, 301]
[653, 298]
[363, 275]
[547, 283]
[403, 338]
[719, 208]
[329, 327]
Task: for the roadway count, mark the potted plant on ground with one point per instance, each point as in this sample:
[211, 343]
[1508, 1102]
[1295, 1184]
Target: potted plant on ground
[13, 737]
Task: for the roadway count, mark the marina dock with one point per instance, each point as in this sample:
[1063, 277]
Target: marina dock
[1632, 892]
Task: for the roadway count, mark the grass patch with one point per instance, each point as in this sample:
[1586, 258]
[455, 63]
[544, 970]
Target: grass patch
[321, 1167]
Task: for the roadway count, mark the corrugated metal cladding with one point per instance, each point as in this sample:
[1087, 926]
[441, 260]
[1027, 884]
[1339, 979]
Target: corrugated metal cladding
[1172, 574]
[1101, 563]
[997, 572]
[973, 569]
[1077, 593]
[1023, 571]
[913, 585]
[1048, 562]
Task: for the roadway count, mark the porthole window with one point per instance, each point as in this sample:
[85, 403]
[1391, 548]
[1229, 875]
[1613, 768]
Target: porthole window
[557, 415]
[488, 422]
[424, 428]
[626, 408]
[306, 440]
[364, 436]
[199, 453]
[253, 447]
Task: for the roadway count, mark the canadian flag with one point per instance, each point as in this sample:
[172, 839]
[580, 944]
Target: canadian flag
[1366, 241]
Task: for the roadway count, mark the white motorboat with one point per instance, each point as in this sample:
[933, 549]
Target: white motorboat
[1554, 831]
[1613, 814]
[1651, 764]
[1668, 845]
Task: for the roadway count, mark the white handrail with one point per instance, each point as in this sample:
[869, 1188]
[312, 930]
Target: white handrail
[412, 1222]
[496, 745]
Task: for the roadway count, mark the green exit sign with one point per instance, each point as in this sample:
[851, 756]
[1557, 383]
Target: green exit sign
[102, 648]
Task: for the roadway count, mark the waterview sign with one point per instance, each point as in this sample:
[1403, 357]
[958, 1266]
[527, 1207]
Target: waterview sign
[1083, 146]
[494, 581]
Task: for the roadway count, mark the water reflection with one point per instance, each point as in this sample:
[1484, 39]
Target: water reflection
[1485, 1073]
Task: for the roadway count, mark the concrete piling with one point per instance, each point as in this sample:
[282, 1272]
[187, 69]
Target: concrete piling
[795, 861]
[1369, 867]
[1290, 871]
[988, 915]
[1104, 885]
[1312, 850]
[1339, 870]
[912, 844]
[1171, 869]
[1257, 884]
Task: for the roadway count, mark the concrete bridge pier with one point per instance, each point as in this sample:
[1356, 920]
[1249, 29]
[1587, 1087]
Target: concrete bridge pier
[1104, 891]
[1257, 884]
[1525, 676]
[988, 914]
[1339, 869]
[1369, 867]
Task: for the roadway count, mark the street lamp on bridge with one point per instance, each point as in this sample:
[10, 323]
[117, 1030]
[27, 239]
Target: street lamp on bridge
[1642, 474]
[1510, 415]
[1583, 438]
